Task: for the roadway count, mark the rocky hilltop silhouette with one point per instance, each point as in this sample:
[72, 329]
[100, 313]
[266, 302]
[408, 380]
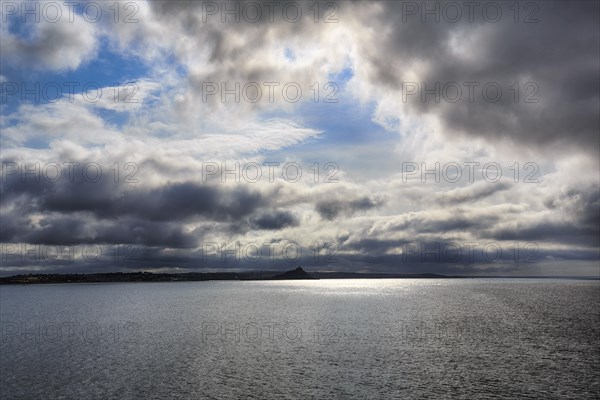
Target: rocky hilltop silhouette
[297, 273]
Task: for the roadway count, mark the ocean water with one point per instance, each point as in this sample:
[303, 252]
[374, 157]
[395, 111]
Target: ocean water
[327, 339]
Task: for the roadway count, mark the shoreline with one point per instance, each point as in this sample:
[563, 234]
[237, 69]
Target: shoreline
[141, 277]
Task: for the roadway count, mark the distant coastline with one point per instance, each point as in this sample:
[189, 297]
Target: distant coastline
[296, 274]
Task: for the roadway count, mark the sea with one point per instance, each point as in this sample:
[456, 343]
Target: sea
[317, 339]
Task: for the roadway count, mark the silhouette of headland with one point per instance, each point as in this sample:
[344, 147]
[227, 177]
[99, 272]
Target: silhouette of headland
[297, 273]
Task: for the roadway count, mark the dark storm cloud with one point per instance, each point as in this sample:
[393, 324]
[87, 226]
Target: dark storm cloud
[180, 201]
[194, 14]
[580, 210]
[273, 219]
[560, 53]
[147, 233]
[81, 211]
[328, 210]
[331, 209]
[11, 226]
[78, 228]
[550, 232]
[108, 199]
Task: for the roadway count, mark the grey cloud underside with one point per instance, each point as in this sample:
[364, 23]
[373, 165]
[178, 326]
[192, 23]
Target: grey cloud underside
[81, 230]
[153, 220]
[106, 199]
[559, 53]
[558, 232]
[578, 226]
[275, 219]
[109, 212]
[331, 209]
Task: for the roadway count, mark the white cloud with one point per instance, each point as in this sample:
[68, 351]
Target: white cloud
[57, 46]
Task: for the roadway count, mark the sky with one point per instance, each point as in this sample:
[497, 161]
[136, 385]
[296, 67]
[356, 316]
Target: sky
[363, 136]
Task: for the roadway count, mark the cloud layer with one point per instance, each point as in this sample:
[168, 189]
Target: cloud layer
[385, 137]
